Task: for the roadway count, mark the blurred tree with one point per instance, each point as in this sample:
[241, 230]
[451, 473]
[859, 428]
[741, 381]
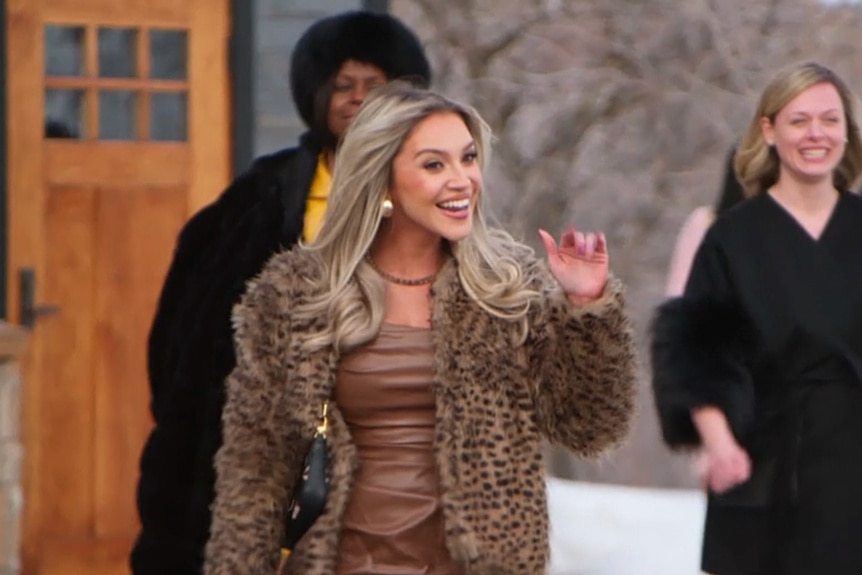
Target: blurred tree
[616, 115]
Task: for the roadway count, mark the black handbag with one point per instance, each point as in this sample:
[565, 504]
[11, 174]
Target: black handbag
[312, 488]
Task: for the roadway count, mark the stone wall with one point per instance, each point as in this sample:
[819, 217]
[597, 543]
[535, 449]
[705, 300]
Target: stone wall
[12, 342]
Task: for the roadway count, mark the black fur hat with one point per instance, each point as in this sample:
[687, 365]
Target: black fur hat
[371, 38]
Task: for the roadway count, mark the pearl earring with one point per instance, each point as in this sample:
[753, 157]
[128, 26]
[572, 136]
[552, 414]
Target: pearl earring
[387, 208]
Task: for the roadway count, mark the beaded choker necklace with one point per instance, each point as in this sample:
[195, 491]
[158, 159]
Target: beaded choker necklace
[397, 280]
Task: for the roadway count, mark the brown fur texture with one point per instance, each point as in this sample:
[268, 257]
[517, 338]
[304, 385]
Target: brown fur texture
[573, 382]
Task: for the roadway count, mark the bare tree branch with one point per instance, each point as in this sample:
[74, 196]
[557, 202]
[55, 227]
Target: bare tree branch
[617, 114]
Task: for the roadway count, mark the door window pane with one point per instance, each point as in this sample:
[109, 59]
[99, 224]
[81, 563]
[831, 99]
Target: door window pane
[168, 117]
[117, 115]
[64, 114]
[168, 54]
[117, 52]
[64, 50]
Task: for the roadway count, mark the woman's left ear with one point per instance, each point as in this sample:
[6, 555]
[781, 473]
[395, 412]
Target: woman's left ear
[767, 130]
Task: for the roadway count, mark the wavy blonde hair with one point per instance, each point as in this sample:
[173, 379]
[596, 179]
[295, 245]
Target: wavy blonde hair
[758, 166]
[351, 294]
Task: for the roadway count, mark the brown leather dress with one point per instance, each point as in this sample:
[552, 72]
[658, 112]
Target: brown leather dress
[393, 523]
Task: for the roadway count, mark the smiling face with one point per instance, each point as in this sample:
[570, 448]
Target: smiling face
[809, 134]
[351, 87]
[436, 180]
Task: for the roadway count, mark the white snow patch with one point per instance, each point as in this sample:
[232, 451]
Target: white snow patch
[599, 529]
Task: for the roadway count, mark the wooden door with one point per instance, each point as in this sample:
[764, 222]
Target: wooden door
[118, 131]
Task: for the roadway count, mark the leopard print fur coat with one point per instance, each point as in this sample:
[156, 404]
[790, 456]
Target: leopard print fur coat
[572, 382]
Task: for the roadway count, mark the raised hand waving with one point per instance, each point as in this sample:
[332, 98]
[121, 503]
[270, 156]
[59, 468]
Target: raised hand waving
[579, 263]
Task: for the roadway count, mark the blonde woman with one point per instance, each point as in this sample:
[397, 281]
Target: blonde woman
[760, 361]
[446, 351]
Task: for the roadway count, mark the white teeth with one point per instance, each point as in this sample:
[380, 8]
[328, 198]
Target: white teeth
[455, 205]
[814, 153]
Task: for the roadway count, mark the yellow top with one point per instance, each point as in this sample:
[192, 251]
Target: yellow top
[317, 197]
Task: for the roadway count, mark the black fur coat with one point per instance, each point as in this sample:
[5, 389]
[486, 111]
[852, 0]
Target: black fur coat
[701, 352]
[190, 351]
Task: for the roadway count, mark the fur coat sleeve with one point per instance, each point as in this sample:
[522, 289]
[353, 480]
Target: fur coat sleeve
[584, 371]
[699, 351]
[702, 348]
[253, 476]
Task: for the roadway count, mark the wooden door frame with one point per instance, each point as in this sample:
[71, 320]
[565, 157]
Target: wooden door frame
[241, 56]
[4, 159]
[241, 71]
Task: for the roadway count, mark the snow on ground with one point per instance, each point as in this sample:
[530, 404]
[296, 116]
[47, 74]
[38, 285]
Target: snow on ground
[614, 530]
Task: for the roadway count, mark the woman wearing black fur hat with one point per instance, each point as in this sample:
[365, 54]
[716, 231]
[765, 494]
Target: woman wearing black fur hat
[760, 361]
[279, 200]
